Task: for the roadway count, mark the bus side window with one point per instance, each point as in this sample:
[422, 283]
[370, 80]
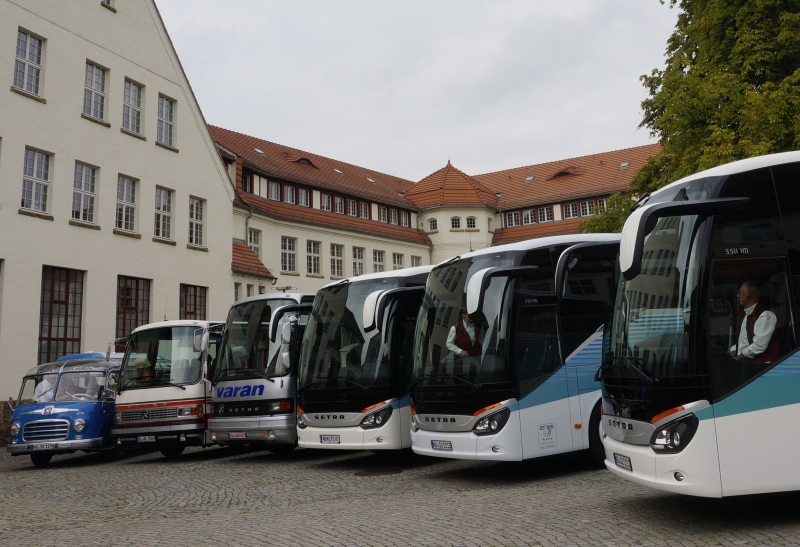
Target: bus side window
[787, 186]
[537, 353]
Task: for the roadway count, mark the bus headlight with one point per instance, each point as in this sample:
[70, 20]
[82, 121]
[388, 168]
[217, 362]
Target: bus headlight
[673, 437]
[280, 406]
[190, 411]
[117, 417]
[14, 429]
[489, 425]
[377, 419]
[78, 425]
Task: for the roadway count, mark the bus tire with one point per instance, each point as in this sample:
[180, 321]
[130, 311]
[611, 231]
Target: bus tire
[41, 459]
[281, 449]
[597, 453]
[171, 452]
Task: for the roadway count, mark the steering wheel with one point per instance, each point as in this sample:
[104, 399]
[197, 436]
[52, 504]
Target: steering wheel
[83, 397]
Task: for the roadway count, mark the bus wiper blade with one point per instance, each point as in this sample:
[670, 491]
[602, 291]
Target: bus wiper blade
[629, 361]
[305, 387]
[234, 371]
[457, 377]
[356, 384]
[432, 376]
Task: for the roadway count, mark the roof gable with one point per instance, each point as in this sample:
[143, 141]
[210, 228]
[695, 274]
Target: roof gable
[450, 187]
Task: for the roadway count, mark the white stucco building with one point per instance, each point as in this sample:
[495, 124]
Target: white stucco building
[115, 206]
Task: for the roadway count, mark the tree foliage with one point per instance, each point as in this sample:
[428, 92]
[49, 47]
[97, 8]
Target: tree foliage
[730, 90]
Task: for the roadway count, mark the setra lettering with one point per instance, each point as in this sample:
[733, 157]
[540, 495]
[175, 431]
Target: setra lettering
[439, 419]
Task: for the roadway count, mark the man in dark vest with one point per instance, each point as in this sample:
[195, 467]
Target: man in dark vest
[463, 338]
[756, 327]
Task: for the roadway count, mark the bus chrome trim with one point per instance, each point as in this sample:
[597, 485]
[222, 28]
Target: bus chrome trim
[444, 422]
[639, 433]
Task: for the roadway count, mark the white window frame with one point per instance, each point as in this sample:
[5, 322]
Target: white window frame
[289, 194]
[254, 241]
[528, 217]
[545, 214]
[397, 261]
[512, 219]
[163, 213]
[325, 202]
[455, 223]
[489, 224]
[358, 261]
[84, 184]
[602, 205]
[337, 260]
[166, 121]
[382, 214]
[473, 222]
[587, 207]
[339, 205]
[378, 261]
[250, 290]
[35, 180]
[393, 219]
[28, 64]
[237, 291]
[288, 254]
[569, 210]
[416, 261]
[404, 218]
[274, 191]
[304, 197]
[94, 91]
[132, 107]
[126, 204]
[433, 225]
[313, 255]
[197, 221]
[352, 207]
[365, 210]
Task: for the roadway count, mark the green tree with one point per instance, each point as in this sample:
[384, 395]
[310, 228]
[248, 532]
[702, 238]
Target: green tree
[730, 90]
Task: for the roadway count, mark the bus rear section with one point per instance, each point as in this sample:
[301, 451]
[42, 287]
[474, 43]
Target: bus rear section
[162, 397]
[356, 362]
[507, 347]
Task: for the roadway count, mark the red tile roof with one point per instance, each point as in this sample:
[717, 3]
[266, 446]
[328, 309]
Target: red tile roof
[307, 215]
[450, 187]
[285, 162]
[246, 262]
[568, 179]
[520, 233]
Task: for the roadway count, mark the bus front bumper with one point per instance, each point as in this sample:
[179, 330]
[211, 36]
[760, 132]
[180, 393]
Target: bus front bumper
[503, 446]
[153, 436]
[59, 447]
[386, 437]
[257, 429]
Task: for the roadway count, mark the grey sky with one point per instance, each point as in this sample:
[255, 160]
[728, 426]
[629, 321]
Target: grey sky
[403, 86]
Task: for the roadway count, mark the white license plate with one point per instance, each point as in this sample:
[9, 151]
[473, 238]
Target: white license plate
[237, 435]
[442, 445]
[42, 446]
[329, 439]
[623, 461]
[146, 439]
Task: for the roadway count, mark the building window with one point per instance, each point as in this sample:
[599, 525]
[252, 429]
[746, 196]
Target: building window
[529, 216]
[433, 225]
[472, 222]
[570, 210]
[262, 289]
[83, 193]
[28, 64]
[339, 205]
[163, 222]
[337, 260]
[193, 303]
[382, 214]
[416, 261]
[304, 198]
[36, 180]
[455, 223]
[397, 261]
[404, 218]
[378, 261]
[546, 214]
[274, 191]
[393, 216]
[166, 123]
[312, 257]
[352, 207]
[249, 290]
[126, 204]
[133, 304]
[365, 210]
[512, 219]
[586, 208]
[489, 224]
[94, 92]
[60, 313]
[237, 291]
[247, 183]
[325, 202]
[288, 254]
[254, 241]
[289, 194]
[358, 261]
[602, 205]
[196, 221]
[132, 107]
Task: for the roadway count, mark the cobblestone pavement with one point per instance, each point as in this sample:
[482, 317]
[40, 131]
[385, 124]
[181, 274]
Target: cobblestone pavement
[315, 498]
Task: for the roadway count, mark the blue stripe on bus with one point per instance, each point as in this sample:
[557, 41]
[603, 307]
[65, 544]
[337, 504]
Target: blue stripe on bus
[403, 402]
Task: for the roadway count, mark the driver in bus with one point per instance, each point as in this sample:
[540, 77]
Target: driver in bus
[756, 327]
[462, 339]
[42, 392]
[142, 371]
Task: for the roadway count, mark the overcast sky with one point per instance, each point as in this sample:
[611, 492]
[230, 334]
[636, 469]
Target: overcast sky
[403, 86]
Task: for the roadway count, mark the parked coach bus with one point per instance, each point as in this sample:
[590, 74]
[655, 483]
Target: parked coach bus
[507, 348]
[356, 361]
[163, 388]
[253, 388]
[702, 377]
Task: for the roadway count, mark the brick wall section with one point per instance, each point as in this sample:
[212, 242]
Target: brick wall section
[5, 423]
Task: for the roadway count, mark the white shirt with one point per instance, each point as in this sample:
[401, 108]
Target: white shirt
[451, 337]
[42, 393]
[762, 333]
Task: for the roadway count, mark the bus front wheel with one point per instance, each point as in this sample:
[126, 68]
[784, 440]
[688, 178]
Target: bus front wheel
[597, 453]
[171, 452]
[41, 459]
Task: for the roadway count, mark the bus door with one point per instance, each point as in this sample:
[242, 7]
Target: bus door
[545, 418]
[287, 334]
[584, 278]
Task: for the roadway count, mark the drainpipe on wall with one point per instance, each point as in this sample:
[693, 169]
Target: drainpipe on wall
[247, 226]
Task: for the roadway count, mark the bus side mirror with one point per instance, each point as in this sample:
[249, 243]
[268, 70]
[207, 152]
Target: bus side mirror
[107, 395]
[285, 363]
[200, 341]
[113, 343]
[286, 333]
[478, 283]
[369, 310]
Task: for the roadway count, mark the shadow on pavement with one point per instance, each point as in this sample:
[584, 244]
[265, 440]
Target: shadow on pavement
[403, 460]
[536, 469]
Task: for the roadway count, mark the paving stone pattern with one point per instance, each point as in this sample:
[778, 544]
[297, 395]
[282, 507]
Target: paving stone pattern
[220, 497]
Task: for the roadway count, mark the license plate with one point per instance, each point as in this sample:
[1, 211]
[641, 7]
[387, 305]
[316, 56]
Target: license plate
[146, 439]
[623, 462]
[42, 446]
[442, 445]
[237, 435]
[329, 439]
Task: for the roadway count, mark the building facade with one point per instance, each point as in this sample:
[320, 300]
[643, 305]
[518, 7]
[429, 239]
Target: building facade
[115, 206]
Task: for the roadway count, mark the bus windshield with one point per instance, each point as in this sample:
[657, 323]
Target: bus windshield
[248, 352]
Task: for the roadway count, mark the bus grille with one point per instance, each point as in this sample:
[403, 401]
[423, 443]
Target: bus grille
[45, 431]
[148, 414]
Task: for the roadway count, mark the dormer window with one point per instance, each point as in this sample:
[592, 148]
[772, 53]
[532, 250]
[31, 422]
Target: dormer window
[304, 161]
